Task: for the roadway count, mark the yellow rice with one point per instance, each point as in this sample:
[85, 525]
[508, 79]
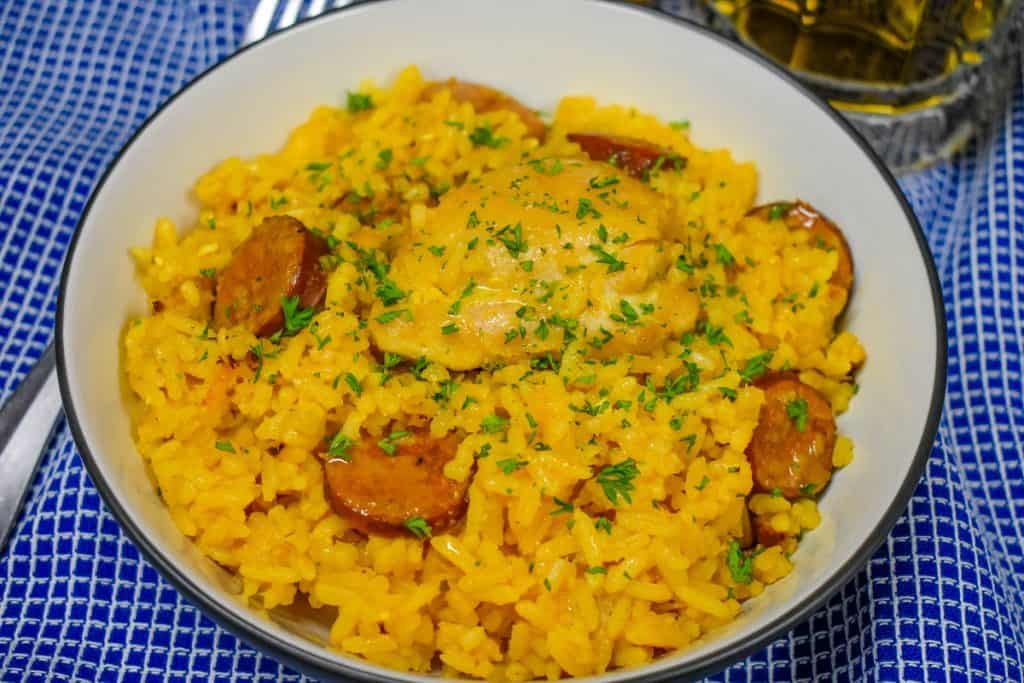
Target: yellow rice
[515, 592]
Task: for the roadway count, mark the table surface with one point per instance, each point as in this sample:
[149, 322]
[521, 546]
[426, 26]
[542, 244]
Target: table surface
[941, 599]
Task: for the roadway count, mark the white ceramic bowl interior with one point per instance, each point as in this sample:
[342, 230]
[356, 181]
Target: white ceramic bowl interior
[538, 50]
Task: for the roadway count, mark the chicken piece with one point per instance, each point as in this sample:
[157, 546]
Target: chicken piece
[518, 262]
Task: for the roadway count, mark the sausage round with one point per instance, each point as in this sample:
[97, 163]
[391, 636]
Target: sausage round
[279, 259]
[486, 99]
[636, 157]
[380, 492]
[802, 216]
[782, 456]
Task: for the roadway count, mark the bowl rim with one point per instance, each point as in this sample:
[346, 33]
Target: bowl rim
[251, 632]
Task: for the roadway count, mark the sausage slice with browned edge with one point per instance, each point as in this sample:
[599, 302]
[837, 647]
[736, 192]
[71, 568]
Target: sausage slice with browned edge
[280, 259]
[791, 449]
[380, 492]
[636, 157]
[486, 99]
[800, 215]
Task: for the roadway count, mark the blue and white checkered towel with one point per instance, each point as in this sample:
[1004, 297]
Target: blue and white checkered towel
[942, 599]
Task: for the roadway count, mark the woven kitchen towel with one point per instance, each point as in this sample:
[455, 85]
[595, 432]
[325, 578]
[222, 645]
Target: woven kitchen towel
[941, 599]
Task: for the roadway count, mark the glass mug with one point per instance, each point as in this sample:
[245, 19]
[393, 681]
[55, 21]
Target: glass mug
[917, 77]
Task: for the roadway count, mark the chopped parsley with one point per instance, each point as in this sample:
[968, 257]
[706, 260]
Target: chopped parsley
[450, 328]
[597, 569]
[493, 424]
[357, 101]
[584, 208]
[614, 264]
[797, 412]
[418, 526]
[807, 490]
[563, 507]
[385, 318]
[597, 182]
[681, 124]
[603, 524]
[208, 272]
[778, 210]
[510, 465]
[384, 159]
[512, 238]
[617, 480]
[723, 255]
[389, 444]
[354, 384]
[705, 480]
[389, 293]
[755, 366]
[740, 565]
[436, 250]
[295, 317]
[483, 136]
[225, 446]
[339, 447]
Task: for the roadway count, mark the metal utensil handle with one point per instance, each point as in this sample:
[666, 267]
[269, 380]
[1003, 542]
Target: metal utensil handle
[27, 420]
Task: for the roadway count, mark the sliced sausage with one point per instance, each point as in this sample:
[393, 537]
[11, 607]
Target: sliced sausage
[802, 216]
[637, 157]
[487, 99]
[280, 259]
[379, 492]
[797, 462]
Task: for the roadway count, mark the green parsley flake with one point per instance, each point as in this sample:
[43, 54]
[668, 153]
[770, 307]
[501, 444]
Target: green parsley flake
[357, 102]
[389, 444]
[510, 465]
[755, 366]
[797, 412]
[354, 384]
[418, 526]
[483, 136]
[493, 424]
[617, 480]
[295, 318]
[563, 507]
[385, 318]
[225, 446]
[584, 208]
[740, 565]
[603, 257]
[339, 447]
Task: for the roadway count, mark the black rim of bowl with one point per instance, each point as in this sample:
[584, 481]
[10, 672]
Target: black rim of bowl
[320, 665]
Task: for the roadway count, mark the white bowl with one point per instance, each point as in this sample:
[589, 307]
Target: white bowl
[538, 50]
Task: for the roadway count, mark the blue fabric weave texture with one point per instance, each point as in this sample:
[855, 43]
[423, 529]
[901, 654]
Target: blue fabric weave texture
[942, 599]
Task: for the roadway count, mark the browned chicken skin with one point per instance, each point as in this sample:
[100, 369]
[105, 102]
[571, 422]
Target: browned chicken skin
[797, 462]
[636, 157]
[279, 259]
[487, 99]
[380, 492]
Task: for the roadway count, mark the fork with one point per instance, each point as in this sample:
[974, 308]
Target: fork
[29, 416]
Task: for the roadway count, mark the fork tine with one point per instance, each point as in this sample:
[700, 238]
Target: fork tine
[289, 15]
[259, 24]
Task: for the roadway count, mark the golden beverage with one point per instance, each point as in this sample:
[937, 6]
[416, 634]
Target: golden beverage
[889, 44]
[917, 78]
